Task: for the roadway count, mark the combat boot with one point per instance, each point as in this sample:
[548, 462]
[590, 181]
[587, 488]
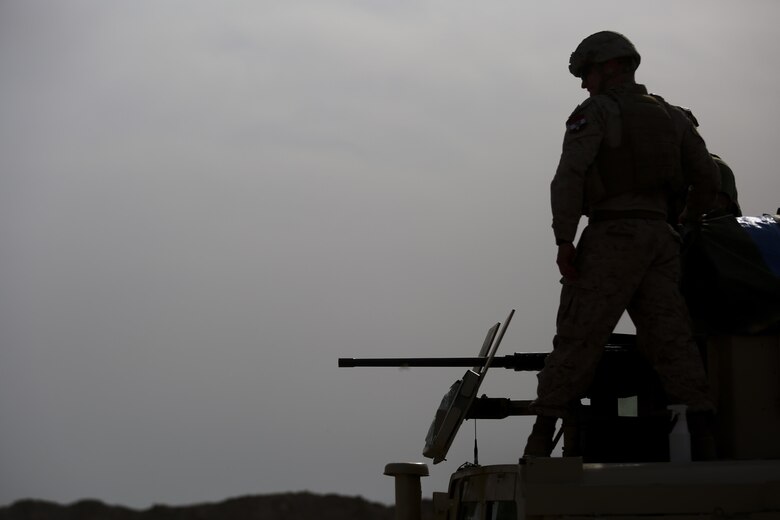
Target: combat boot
[701, 427]
[540, 442]
[572, 443]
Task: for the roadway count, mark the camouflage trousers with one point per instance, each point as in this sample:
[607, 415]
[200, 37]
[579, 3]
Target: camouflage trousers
[628, 265]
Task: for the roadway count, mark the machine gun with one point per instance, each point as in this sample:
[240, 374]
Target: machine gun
[622, 436]
[461, 401]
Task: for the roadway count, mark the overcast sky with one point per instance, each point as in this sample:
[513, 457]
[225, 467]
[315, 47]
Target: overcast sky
[204, 204]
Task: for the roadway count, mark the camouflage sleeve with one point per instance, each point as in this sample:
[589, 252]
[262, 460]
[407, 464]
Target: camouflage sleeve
[703, 177]
[584, 132]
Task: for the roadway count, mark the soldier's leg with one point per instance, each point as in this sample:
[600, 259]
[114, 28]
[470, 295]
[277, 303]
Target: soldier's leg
[664, 334]
[612, 258]
[611, 262]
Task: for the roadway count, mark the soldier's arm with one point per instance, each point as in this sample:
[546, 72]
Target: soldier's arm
[584, 133]
[703, 175]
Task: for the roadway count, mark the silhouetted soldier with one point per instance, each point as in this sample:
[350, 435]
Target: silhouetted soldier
[624, 154]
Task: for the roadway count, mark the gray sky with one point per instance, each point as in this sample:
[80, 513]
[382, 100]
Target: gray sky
[204, 204]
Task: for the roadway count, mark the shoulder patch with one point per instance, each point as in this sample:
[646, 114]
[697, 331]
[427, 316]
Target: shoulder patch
[576, 122]
[578, 118]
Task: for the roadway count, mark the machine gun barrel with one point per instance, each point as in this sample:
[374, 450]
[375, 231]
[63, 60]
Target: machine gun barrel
[519, 362]
[526, 362]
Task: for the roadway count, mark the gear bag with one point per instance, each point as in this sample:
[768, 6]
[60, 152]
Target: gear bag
[731, 274]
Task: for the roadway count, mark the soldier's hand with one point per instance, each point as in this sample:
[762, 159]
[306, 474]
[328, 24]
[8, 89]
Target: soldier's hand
[565, 260]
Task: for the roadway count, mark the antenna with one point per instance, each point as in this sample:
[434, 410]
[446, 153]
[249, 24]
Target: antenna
[476, 448]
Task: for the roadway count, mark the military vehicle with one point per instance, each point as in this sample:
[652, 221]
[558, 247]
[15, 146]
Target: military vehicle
[622, 456]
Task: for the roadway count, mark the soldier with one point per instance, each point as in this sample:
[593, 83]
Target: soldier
[624, 154]
[727, 202]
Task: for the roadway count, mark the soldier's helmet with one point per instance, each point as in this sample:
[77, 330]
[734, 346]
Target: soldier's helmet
[600, 47]
[728, 186]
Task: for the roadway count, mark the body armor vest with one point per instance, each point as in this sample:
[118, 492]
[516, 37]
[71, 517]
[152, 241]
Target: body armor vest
[647, 159]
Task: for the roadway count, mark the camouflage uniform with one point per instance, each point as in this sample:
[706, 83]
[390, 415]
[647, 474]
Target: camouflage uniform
[627, 257]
